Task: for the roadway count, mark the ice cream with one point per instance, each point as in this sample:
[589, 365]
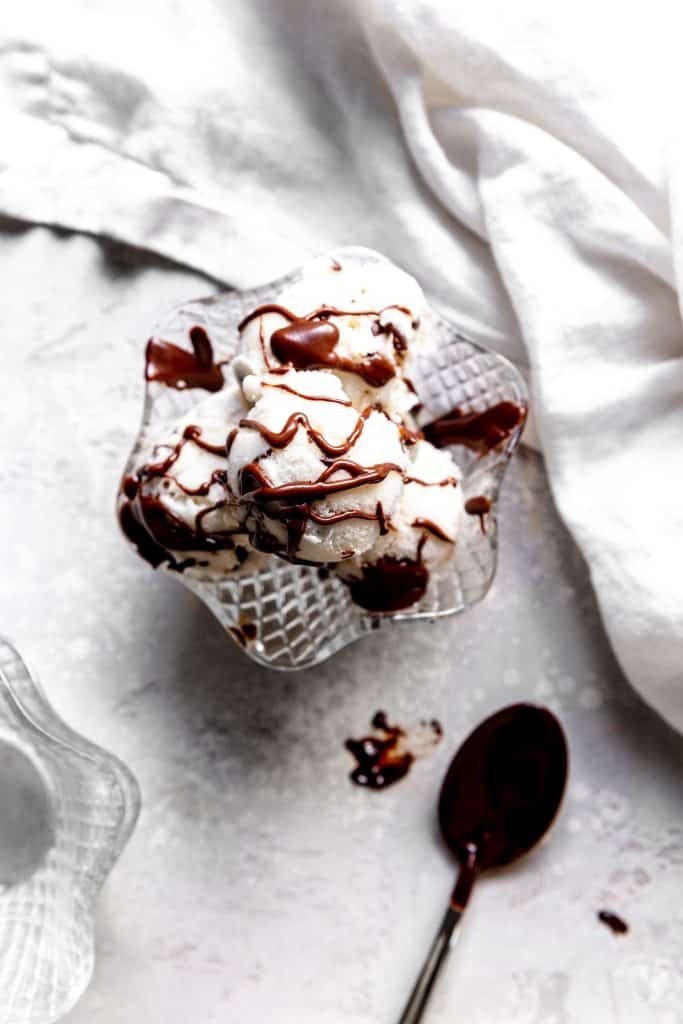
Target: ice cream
[420, 536]
[361, 322]
[177, 509]
[317, 477]
[307, 449]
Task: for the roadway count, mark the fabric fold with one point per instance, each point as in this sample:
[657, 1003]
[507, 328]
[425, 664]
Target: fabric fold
[518, 161]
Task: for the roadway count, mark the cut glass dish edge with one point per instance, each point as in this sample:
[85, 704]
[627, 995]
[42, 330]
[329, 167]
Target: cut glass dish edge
[301, 618]
[47, 920]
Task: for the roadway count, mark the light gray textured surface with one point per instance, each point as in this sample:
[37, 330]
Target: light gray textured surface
[260, 885]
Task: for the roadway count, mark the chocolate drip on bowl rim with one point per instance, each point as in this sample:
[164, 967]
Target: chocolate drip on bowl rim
[479, 505]
[177, 368]
[479, 431]
[157, 533]
[390, 584]
[385, 756]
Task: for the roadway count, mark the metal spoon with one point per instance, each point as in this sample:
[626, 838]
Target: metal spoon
[500, 795]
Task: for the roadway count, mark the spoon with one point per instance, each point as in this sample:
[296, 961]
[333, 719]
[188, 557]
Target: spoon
[500, 795]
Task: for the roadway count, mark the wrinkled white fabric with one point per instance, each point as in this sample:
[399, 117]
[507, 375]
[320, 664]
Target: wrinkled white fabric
[522, 160]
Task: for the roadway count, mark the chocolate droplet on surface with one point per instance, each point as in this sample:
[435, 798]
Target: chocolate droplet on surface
[615, 923]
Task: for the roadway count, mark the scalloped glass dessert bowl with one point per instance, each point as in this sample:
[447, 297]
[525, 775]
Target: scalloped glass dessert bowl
[76, 806]
[298, 615]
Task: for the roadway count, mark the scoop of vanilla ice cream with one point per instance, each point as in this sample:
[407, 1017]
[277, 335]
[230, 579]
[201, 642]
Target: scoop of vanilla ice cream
[381, 310]
[184, 482]
[425, 523]
[295, 461]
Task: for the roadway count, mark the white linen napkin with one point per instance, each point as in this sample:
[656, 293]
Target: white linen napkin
[522, 160]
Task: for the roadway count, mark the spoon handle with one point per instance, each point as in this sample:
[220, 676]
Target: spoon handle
[432, 965]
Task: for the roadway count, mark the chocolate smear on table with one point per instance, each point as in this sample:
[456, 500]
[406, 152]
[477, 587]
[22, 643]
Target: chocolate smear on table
[480, 506]
[386, 755]
[479, 431]
[178, 368]
[615, 923]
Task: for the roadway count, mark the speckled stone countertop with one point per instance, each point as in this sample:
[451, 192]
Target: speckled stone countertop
[260, 884]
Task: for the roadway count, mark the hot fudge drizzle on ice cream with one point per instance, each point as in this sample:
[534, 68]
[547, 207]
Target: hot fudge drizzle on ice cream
[312, 453]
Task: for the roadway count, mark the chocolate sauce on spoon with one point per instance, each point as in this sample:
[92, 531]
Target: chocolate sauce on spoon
[501, 793]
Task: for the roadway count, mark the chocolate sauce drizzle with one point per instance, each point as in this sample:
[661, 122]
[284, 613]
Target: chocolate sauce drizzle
[309, 342]
[291, 503]
[255, 484]
[192, 434]
[177, 368]
[390, 584]
[615, 923]
[281, 438]
[307, 398]
[154, 530]
[432, 527]
[479, 431]
[449, 481]
[383, 757]
[156, 533]
[134, 528]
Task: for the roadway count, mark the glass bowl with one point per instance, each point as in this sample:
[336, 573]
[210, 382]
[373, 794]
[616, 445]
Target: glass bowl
[299, 615]
[76, 806]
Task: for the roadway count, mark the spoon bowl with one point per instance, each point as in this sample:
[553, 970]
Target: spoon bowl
[501, 794]
[504, 786]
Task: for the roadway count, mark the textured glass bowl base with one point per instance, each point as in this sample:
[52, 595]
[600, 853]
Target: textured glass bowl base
[300, 615]
[47, 918]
